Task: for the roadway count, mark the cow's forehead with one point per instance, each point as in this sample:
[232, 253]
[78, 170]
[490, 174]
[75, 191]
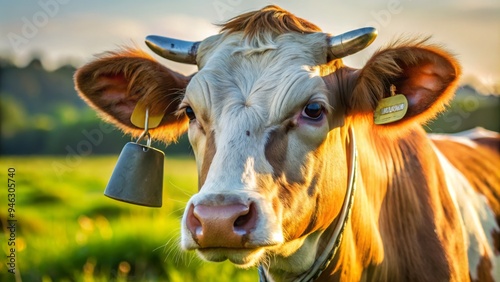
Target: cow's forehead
[268, 85]
[309, 49]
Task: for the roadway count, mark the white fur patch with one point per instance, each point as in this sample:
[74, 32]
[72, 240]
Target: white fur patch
[478, 218]
[455, 138]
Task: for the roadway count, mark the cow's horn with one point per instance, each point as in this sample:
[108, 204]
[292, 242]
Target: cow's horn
[173, 49]
[350, 42]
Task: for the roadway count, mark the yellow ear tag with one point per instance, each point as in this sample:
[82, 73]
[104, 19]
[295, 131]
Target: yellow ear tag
[391, 109]
[138, 117]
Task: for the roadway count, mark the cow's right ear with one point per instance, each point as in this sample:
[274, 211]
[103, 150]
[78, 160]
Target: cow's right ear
[114, 83]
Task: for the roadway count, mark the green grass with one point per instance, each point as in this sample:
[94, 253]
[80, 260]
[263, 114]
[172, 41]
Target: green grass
[68, 231]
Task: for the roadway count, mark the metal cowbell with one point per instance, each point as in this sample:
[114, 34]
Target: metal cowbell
[138, 176]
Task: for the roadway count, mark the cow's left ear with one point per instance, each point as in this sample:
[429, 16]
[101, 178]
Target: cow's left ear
[426, 74]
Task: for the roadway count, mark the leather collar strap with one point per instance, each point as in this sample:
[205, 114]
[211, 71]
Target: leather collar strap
[333, 244]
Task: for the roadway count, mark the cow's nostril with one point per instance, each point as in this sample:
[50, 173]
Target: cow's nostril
[246, 222]
[193, 222]
[240, 221]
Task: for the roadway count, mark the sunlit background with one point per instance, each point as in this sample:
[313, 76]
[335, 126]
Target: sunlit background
[64, 155]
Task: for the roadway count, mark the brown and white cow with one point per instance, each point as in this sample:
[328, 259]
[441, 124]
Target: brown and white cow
[274, 117]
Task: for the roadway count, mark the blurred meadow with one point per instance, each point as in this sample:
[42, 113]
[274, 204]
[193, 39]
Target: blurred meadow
[68, 231]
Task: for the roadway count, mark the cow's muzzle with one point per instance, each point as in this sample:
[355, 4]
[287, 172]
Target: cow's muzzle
[227, 220]
[226, 226]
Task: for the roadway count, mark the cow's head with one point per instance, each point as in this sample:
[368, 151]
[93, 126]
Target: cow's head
[267, 115]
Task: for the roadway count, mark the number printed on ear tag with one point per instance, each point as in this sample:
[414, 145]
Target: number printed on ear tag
[390, 109]
[138, 117]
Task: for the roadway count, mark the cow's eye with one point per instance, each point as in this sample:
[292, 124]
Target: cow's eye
[190, 113]
[313, 111]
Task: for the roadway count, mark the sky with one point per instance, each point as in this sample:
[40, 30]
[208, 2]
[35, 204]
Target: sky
[73, 31]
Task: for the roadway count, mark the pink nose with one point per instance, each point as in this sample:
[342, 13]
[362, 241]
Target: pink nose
[221, 226]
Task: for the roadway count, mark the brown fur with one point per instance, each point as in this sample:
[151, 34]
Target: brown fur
[401, 214]
[271, 18]
[424, 73]
[404, 226]
[210, 151]
[116, 81]
[420, 232]
[480, 167]
[276, 149]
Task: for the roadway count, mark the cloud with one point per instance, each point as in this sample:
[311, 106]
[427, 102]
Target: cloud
[78, 37]
[183, 27]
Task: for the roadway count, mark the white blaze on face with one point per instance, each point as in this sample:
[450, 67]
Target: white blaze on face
[240, 99]
[235, 94]
[248, 177]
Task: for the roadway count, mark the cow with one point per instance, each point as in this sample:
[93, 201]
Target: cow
[296, 176]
